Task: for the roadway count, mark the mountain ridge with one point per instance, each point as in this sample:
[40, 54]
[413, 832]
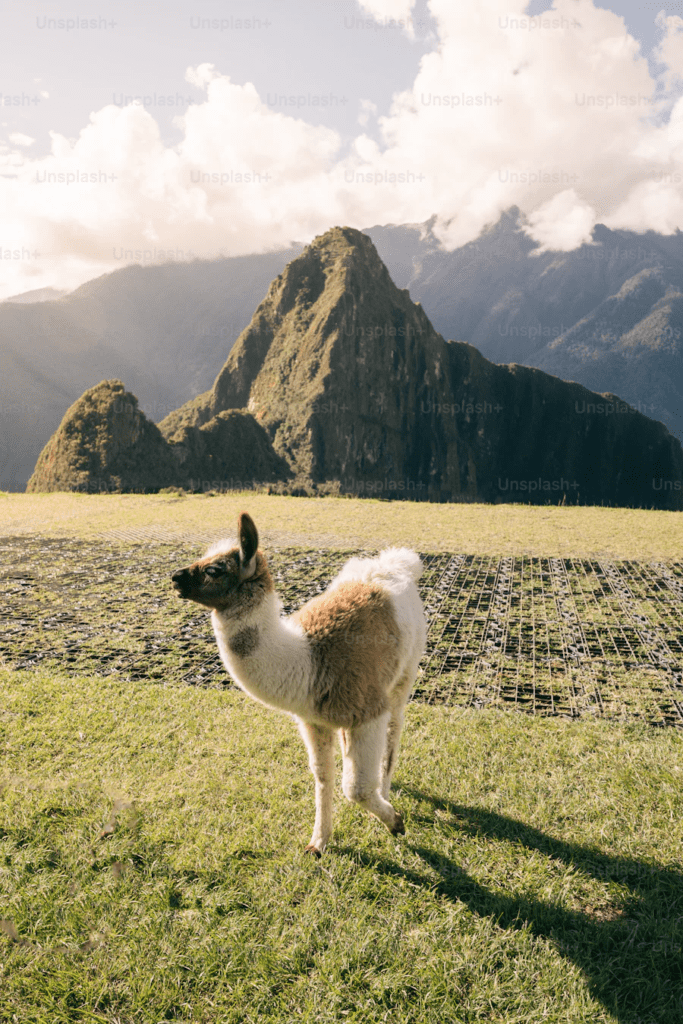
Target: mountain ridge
[636, 355]
[353, 387]
[514, 303]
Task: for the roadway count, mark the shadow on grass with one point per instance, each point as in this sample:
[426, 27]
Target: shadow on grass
[632, 961]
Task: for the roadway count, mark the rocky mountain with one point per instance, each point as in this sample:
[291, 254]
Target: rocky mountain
[633, 339]
[105, 443]
[352, 384]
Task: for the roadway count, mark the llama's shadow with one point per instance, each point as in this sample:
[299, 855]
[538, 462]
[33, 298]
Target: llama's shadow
[633, 964]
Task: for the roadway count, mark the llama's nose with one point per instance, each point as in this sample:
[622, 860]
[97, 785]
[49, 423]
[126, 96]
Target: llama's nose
[180, 578]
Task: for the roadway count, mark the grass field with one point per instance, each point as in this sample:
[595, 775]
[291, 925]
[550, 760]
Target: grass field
[151, 831]
[349, 523]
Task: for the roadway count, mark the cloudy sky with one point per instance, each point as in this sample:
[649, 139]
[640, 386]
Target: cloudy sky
[136, 132]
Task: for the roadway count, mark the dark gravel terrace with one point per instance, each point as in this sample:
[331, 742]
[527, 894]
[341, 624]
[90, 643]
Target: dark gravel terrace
[546, 636]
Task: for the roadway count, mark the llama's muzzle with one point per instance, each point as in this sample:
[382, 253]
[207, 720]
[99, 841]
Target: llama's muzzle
[181, 580]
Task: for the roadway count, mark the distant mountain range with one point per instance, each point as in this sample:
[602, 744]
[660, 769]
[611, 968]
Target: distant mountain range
[340, 384]
[608, 315]
[39, 295]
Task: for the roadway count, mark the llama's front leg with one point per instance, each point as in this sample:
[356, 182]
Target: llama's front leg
[320, 744]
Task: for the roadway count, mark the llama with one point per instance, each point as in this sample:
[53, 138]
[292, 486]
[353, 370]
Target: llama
[345, 662]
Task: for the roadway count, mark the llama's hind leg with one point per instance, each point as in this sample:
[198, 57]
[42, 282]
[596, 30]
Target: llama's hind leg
[320, 744]
[399, 698]
[363, 747]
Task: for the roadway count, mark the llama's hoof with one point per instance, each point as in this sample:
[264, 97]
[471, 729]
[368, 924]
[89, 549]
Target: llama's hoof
[313, 849]
[399, 828]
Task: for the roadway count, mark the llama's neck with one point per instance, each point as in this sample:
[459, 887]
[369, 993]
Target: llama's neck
[267, 655]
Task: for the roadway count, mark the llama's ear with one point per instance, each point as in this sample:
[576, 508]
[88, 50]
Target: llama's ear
[248, 544]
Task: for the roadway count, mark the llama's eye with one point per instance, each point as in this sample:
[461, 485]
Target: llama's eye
[214, 570]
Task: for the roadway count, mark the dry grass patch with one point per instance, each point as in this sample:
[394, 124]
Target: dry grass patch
[350, 523]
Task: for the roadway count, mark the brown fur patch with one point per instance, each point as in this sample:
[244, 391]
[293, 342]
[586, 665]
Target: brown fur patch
[245, 642]
[354, 639]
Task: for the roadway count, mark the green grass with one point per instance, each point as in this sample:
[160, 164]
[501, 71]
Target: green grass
[151, 867]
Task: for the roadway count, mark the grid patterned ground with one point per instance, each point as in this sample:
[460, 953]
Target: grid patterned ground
[547, 636]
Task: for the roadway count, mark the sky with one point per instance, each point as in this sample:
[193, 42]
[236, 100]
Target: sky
[140, 132]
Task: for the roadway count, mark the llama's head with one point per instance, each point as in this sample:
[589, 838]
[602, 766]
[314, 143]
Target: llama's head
[231, 579]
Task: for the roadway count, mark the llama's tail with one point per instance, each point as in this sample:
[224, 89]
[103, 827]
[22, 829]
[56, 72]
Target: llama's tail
[394, 568]
[401, 562]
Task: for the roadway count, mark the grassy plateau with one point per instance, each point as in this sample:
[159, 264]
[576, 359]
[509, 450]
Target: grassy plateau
[153, 818]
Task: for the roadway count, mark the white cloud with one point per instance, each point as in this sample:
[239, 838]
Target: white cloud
[670, 49]
[368, 109]
[512, 110]
[17, 139]
[390, 12]
[243, 179]
[559, 115]
[564, 222]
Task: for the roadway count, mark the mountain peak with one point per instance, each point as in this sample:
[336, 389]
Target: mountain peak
[104, 443]
[343, 243]
[330, 262]
[341, 236]
[337, 284]
[314, 344]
